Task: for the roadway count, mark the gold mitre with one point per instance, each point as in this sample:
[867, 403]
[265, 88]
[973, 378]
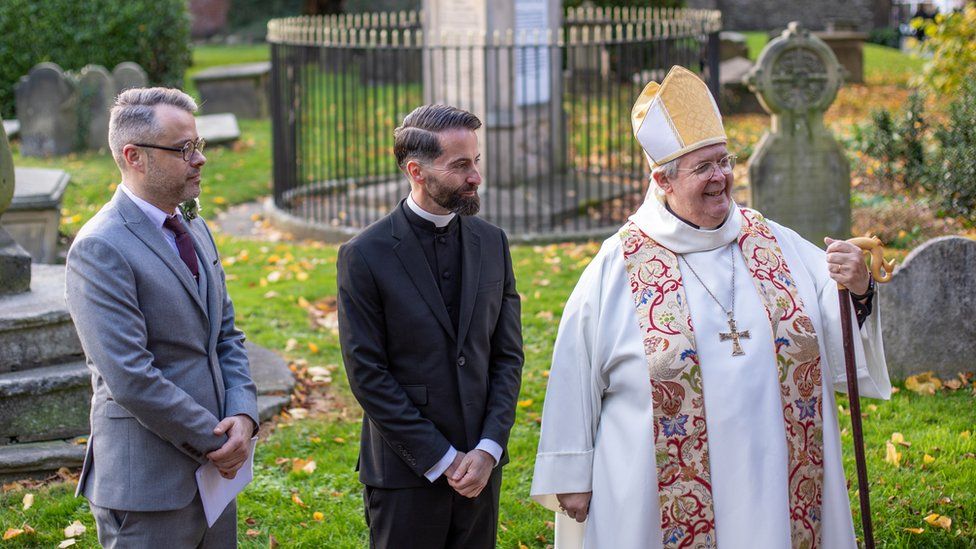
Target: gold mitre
[675, 117]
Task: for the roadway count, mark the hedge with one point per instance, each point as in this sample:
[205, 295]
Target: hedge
[153, 33]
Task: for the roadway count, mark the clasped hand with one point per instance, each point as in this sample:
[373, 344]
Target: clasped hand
[468, 474]
[575, 505]
[230, 457]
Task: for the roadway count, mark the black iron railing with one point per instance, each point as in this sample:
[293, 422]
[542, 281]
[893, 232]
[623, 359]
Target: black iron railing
[559, 157]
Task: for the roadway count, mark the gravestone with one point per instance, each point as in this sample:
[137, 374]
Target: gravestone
[927, 310]
[11, 128]
[731, 45]
[848, 46]
[15, 271]
[218, 129]
[129, 75]
[798, 173]
[96, 93]
[46, 102]
[499, 60]
[35, 213]
[240, 89]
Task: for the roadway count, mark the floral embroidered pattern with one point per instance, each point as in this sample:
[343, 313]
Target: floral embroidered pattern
[680, 434]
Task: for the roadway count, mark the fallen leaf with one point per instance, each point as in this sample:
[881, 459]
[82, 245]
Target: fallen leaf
[945, 500]
[67, 543]
[965, 434]
[303, 303]
[298, 413]
[272, 542]
[313, 347]
[927, 459]
[924, 384]
[897, 438]
[12, 533]
[339, 440]
[250, 521]
[318, 516]
[872, 407]
[297, 500]
[74, 529]
[290, 345]
[892, 455]
[28, 501]
[252, 533]
[953, 384]
[525, 403]
[914, 530]
[938, 520]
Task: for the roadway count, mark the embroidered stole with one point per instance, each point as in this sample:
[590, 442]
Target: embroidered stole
[680, 429]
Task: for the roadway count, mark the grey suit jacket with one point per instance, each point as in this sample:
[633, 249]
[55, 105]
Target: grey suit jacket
[166, 366]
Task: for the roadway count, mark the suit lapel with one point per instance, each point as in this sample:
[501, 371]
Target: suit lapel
[152, 237]
[214, 310]
[411, 255]
[470, 276]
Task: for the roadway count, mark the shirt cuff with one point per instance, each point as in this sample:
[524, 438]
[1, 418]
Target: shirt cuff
[438, 469]
[492, 447]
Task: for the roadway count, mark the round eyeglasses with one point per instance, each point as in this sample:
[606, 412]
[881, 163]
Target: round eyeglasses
[705, 170]
[187, 149]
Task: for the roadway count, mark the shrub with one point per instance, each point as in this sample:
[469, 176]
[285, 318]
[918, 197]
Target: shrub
[885, 36]
[153, 33]
[951, 40]
[955, 183]
[898, 143]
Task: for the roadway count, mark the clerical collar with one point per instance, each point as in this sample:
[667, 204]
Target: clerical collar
[679, 236]
[437, 219]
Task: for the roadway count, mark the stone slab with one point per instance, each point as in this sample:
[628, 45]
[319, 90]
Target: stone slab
[241, 70]
[11, 127]
[928, 307]
[35, 327]
[18, 461]
[269, 371]
[239, 89]
[45, 403]
[218, 129]
[270, 405]
[38, 188]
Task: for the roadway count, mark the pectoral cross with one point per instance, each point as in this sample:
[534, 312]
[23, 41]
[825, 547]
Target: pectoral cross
[734, 335]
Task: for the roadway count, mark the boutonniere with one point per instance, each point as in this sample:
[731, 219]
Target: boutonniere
[190, 209]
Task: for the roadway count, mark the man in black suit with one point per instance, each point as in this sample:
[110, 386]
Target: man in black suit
[431, 338]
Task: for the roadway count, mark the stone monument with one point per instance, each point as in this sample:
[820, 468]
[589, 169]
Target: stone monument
[33, 217]
[15, 271]
[499, 60]
[129, 75]
[798, 173]
[96, 90]
[47, 101]
[927, 310]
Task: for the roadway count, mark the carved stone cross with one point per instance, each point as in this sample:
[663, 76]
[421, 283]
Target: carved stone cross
[734, 335]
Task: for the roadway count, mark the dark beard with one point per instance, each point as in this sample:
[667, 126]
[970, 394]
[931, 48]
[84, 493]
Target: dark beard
[452, 199]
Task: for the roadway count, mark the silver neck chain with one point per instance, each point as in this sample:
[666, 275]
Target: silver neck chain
[730, 311]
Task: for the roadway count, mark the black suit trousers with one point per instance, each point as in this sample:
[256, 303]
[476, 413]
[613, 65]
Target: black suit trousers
[433, 517]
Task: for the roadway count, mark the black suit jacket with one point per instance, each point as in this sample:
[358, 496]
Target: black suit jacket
[422, 386]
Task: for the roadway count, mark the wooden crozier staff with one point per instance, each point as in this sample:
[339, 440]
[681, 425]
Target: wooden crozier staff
[881, 271]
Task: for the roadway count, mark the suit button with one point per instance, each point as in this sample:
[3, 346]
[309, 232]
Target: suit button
[446, 274]
[442, 240]
[461, 360]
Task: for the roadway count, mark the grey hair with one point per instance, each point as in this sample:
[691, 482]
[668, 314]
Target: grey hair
[669, 169]
[416, 138]
[133, 116]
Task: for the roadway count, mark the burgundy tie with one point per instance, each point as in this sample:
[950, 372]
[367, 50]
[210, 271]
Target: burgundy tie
[184, 244]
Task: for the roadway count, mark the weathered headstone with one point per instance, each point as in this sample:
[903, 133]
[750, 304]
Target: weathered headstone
[514, 86]
[96, 93]
[46, 102]
[927, 310]
[218, 129]
[35, 213]
[798, 173]
[848, 46]
[731, 45]
[240, 89]
[15, 273]
[129, 75]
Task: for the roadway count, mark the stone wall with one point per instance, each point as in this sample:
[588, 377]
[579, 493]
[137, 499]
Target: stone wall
[776, 14]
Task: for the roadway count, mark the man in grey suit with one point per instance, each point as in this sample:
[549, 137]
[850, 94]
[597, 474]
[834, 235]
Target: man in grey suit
[146, 290]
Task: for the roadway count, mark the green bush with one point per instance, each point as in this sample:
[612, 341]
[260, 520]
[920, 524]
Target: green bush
[885, 36]
[153, 33]
[955, 183]
[951, 41]
[899, 145]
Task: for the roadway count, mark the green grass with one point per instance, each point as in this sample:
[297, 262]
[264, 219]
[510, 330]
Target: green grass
[271, 315]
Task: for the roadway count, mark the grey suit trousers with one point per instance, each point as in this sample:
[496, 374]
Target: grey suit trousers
[182, 528]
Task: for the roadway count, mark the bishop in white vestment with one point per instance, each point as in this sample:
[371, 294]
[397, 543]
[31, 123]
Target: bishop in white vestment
[691, 396]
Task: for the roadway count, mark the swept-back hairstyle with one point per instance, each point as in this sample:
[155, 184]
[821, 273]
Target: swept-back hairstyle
[416, 138]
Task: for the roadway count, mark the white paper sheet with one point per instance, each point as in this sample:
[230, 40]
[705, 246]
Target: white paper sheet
[216, 492]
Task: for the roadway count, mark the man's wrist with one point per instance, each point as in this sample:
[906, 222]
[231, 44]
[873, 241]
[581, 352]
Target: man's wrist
[867, 293]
